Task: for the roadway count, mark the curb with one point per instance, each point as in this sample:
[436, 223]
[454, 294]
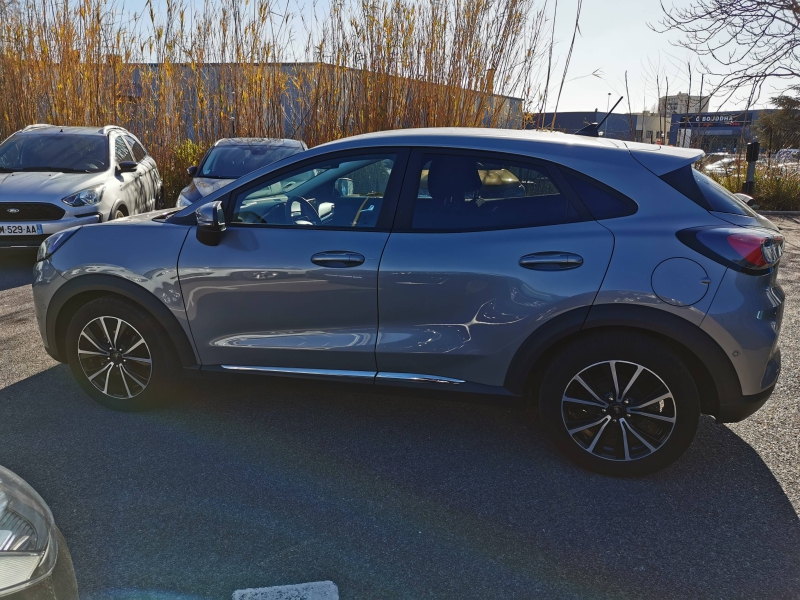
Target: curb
[779, 213]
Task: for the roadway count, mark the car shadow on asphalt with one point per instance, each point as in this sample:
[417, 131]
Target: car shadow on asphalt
[16, 268]
[387, 495]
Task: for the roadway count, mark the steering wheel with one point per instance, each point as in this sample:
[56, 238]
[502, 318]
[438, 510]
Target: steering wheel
[307, 211]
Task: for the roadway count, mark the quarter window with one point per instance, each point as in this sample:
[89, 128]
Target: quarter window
[139, 153]
[474, 192]
[601, 202]
[346, 192]
[121, 152]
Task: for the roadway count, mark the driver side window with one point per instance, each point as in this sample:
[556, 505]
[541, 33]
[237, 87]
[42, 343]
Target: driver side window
[344, 192]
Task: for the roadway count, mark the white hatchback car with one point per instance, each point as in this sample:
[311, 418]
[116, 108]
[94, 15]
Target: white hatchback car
[53, 178]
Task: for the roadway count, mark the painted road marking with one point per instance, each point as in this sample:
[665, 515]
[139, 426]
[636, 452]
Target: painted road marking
[317, 590]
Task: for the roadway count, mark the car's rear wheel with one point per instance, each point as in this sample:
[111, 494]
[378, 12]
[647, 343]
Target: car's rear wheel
[620, 403]
[120, 356]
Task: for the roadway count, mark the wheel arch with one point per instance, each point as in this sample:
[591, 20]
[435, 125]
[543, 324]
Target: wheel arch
[80, 290]
[711, 369]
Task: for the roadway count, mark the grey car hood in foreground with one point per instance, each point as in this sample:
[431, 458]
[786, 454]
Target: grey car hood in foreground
[38, 186]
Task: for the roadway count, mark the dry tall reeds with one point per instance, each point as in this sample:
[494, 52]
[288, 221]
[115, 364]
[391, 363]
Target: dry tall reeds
[180, 78]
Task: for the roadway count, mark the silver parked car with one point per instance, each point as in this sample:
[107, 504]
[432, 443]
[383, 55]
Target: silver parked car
[53, 178]
[231, 158]
[610, 282]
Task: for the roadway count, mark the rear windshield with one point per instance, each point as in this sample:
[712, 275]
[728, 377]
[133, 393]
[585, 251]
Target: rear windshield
[65, 153]
[231, 162]
[706, 192]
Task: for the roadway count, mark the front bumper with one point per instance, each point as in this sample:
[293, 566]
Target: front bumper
[44, 229]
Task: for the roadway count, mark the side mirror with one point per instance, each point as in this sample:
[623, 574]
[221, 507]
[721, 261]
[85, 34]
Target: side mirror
[343, 187]
[746, 198]
[127, 166]
[210, 223]
[192, 171]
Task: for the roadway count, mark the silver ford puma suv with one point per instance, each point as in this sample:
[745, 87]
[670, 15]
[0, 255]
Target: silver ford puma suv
[610, 283]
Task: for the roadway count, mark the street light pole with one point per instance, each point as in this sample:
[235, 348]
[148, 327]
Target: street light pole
[605, 125]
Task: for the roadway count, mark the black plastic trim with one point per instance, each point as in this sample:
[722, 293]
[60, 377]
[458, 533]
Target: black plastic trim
[538, 344]
[116, 285]
[703, 348]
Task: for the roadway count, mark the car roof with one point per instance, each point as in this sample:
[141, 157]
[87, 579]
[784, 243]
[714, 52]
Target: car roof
[71, 130]
[456, 136]
[564, 148]
[247, 141]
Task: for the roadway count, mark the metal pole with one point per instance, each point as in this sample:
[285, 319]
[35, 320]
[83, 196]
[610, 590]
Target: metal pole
[605, 125]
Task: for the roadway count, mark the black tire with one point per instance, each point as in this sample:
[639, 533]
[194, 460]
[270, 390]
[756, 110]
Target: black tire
[123, 392]
[628, 443]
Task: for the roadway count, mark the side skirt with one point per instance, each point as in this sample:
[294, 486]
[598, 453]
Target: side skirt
[381, 378]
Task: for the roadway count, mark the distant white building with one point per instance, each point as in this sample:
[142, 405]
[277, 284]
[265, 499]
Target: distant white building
[681, 104]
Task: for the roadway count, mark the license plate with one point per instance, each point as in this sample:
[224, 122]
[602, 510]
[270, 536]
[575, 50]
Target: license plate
[21, 230]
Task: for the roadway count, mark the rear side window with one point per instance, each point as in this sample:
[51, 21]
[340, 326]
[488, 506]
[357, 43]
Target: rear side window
[720, 199]
[458, 192]
[602, 201]
[139, 153]
[706, 192]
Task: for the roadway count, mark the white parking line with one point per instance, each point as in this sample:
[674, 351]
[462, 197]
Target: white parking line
[317, 590]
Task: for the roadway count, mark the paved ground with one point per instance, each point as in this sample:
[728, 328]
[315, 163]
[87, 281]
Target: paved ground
[390, 495]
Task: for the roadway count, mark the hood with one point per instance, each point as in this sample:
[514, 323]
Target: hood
[202, 187]
[37, 187]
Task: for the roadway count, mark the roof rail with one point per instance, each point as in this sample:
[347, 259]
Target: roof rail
[38, 126]
[108, 128]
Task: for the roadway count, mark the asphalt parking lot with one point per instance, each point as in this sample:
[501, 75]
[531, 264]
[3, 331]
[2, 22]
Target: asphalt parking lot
[389, 494]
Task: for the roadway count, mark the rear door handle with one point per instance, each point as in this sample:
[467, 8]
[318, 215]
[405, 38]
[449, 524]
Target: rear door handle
[551, 261]
[337, 259]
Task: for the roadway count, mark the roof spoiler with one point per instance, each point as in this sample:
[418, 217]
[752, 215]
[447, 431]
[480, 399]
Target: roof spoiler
[593, 129]
[661, 160]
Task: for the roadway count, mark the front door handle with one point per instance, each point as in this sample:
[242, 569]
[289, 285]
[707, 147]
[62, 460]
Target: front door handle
[337, 259]
[551, 261]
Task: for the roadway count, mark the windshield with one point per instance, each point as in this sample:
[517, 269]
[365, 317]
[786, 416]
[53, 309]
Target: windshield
[60, 153]
[231, 162]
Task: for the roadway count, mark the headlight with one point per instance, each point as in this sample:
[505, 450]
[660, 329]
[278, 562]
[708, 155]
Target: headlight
[182, 202]
[54, 242]
[28, 545]
[87, 197]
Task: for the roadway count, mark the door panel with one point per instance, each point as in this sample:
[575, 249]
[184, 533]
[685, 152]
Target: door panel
[258, 299]
[288, 286]
[459, 305]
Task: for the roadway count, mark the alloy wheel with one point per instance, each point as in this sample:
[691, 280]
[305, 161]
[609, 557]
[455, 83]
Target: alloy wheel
[115, 357]
[618, 410]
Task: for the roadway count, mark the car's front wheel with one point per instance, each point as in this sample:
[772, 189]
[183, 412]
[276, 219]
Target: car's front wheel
[620, 403]
[119, 355]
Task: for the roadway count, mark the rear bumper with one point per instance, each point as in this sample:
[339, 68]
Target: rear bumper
[44, 229]
[739, 408]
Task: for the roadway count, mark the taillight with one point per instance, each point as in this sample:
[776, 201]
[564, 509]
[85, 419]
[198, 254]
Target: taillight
[753, 251]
